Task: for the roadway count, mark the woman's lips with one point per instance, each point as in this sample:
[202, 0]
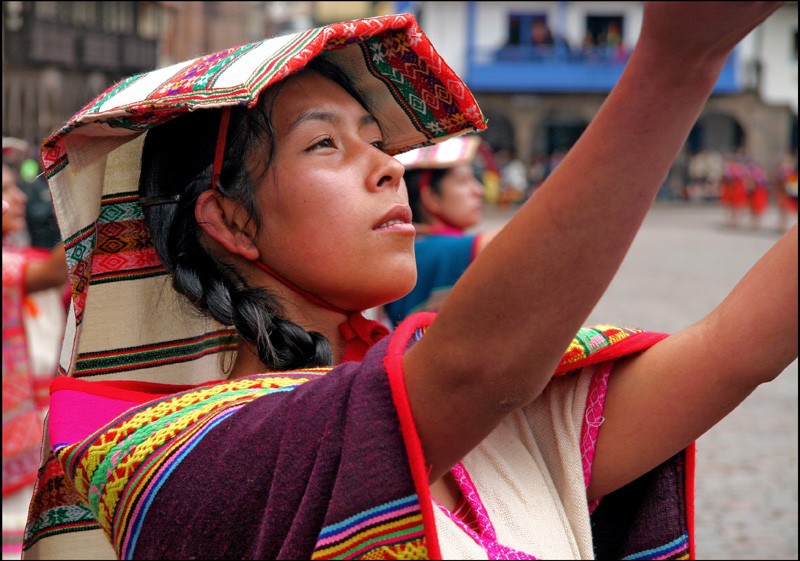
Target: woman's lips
[398, 219]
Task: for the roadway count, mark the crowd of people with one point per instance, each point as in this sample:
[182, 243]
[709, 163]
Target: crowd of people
[741, 184]
[744, 186]
[224, 394]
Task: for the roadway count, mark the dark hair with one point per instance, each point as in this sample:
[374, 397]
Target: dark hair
[413, 178]
[177, 160]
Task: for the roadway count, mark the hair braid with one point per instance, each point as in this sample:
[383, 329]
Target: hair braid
[170, 165]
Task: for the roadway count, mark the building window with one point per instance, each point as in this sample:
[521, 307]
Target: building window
[529, 29]
[127, 17]
[603, 31]
[46, 11]
[12, 16]
[85, 14]
[65, 12]
[110, 16]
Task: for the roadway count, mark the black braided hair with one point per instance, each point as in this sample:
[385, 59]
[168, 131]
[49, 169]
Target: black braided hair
[177, 159]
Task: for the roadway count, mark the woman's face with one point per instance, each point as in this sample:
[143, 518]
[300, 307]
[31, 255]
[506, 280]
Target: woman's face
[14, 217]
[459, 202]
[335, 214]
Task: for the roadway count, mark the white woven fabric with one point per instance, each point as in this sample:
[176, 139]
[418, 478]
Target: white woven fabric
[529, 475]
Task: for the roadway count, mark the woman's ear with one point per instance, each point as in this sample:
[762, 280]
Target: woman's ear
[226, 222]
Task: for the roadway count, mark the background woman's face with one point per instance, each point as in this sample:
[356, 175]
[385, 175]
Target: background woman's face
[14, 217]
[460, 197]
[335, 216]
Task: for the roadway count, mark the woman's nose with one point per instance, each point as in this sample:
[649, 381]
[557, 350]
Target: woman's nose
[387, 173]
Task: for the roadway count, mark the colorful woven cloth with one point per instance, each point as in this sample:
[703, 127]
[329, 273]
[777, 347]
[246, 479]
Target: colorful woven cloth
[314, 463]
[459, 150]
[314, 459]
[93, 162]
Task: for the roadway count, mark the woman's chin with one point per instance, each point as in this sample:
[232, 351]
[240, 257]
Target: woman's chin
[395, 292]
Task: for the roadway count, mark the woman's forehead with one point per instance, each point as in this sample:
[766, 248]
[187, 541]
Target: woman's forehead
[309, 96]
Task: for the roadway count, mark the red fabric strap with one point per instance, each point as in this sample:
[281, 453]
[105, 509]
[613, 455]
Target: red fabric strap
[359, 333]
[219, 153]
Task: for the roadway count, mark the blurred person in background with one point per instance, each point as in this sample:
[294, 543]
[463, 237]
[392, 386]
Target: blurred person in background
[757, 192]
[31, 337]
[446, 200]
[733, 193]
[42, 227]
[513, 178]
[786, 191]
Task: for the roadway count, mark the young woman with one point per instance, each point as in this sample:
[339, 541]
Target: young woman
[446, 200]
[278, 209]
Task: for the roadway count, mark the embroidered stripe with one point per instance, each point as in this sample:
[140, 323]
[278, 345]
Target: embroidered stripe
[665, 551]
[148, 356]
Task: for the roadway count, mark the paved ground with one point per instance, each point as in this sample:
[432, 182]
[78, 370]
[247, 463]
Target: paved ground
[682, 263]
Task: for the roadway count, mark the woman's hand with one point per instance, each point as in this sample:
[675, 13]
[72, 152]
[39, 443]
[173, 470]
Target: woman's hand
[687, 32]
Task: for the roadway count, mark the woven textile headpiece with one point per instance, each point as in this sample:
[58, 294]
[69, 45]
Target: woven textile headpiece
[125, 320]
[447, 154]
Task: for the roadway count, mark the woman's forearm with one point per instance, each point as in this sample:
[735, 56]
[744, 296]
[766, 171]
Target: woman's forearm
[759, 317]
[545, 271]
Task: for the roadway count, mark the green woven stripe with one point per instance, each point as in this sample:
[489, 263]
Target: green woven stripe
[54, 521]
[119, 211]
[52, 171]
[82, 248]
[400, 536]
[126, 445]
[118, 88]
[129, 359]
[291, 50]
[403, 91]
[129, 276]
[583, 340]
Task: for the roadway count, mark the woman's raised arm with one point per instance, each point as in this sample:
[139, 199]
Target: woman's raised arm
[506, 324]
[661, 400]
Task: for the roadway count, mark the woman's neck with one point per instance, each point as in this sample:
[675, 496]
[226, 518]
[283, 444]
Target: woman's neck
[306, 315]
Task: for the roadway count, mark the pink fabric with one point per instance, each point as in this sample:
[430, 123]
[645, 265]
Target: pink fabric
[79, 427]
[592, 419]
[486, 536]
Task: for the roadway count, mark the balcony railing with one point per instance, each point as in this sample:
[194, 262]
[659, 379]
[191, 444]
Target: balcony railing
[560, 69]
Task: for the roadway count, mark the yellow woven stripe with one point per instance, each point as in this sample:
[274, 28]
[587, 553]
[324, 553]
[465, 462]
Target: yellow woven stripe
[366, 535]
[133, 456]
[115, 436]
[97, 452]
[412, 550]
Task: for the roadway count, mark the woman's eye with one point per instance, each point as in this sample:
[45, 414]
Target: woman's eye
[380, 145]
[326, 142]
